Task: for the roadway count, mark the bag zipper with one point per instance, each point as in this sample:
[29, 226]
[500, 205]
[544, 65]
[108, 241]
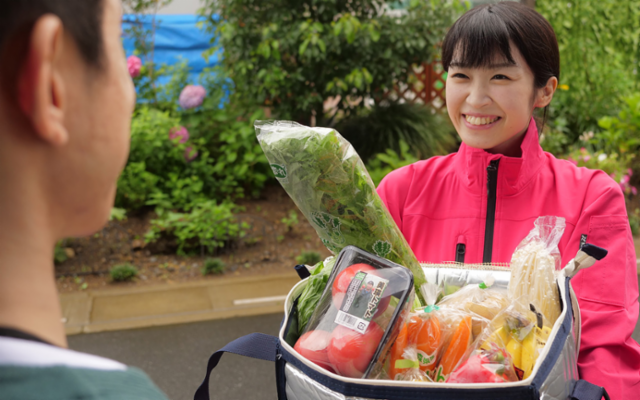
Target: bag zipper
[492, 188]
[461, 249]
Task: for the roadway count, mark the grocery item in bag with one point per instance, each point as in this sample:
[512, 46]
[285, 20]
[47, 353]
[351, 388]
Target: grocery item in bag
[419, 340]
[533, 267]
[326, 179]
[359, 315]
[522, 332]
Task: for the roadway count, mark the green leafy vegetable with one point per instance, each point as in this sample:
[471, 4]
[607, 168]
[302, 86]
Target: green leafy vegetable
[326, 179]
[311, 294]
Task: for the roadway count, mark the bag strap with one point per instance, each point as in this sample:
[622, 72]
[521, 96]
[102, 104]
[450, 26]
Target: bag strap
[255, 345]
[584, 390]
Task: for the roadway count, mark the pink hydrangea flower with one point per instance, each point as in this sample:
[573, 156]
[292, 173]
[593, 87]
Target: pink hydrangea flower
[634, 191]
[180, 133]
[190, 154]
[192, 96]
[134, 64]
[586, 158]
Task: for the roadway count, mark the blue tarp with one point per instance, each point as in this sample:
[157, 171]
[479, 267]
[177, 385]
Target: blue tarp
[175, 36]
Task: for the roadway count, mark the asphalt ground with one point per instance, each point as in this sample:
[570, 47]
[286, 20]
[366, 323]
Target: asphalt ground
[175, 356]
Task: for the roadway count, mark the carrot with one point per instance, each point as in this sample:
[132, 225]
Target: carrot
[427, 342]
[457, 347]
[397, 350]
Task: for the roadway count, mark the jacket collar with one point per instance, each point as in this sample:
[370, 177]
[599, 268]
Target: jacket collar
[513, 172]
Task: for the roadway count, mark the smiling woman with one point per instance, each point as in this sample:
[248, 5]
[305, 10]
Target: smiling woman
[476, 205]
[492, 67]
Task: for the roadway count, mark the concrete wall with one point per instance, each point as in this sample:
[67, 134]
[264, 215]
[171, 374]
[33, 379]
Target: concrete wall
[181, 7]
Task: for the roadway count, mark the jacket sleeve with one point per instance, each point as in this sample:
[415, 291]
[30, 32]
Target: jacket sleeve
[608, 293]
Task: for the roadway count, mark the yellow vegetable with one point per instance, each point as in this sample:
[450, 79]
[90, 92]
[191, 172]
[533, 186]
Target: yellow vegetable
[529, 353]
[515, 349]
[498, 337]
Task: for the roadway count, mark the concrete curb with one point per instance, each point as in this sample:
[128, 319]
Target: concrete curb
[127, 308]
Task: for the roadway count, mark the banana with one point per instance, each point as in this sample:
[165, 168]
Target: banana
[515, 349]
[529, 353]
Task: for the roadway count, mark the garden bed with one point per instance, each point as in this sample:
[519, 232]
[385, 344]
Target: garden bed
[274, 249]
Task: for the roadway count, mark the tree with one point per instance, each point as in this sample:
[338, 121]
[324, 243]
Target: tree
[295, 54]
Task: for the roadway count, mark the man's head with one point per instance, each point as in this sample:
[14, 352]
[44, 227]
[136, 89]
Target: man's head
[65, 107]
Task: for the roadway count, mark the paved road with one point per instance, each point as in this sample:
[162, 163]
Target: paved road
[176, 356]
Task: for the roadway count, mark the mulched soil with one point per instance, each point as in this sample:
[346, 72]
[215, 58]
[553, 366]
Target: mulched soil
[268, 248]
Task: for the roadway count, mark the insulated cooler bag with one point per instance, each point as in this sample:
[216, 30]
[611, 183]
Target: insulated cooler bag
[555, 376]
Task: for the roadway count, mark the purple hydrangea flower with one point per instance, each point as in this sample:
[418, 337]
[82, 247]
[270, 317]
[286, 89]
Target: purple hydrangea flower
[190, 154]
[180, 133]
[134, 64]
[192, 96]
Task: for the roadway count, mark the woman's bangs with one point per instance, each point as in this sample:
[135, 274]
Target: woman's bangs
[480, 41]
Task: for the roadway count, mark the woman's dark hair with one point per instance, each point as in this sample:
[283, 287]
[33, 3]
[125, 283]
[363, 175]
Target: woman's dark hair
[487, 30]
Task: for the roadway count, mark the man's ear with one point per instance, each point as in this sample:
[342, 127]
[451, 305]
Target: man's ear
[545, 94]
[41, 91]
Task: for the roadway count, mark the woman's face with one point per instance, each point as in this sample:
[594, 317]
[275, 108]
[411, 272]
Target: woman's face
[491, 107]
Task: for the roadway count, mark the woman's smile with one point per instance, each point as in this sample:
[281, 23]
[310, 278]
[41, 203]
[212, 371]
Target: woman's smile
[480, 121]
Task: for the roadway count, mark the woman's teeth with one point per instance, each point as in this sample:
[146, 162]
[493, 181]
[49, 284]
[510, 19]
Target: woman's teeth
[480, 121]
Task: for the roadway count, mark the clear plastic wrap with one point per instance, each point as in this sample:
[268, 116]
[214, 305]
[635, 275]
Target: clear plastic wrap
[420, 340]
[480, 299]
[359, 315]
[327, 180]
[534, 265]
[519, 330]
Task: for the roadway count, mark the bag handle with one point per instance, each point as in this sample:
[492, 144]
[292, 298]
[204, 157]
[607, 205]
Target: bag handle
[584, 390]
[255, 345]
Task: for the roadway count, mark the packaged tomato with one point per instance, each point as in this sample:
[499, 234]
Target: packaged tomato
[359, 315]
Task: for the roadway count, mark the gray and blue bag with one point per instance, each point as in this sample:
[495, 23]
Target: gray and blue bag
[555, 376]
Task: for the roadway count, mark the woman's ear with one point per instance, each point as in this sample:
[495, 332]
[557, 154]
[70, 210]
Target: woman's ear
[545, 94]
[41, 91]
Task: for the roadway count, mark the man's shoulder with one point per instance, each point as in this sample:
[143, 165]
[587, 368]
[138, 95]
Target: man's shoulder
[30, 370]
[63, 382]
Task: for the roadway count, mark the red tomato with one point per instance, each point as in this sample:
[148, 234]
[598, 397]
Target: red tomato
[313, 346]
[343, 280]
[350, 352]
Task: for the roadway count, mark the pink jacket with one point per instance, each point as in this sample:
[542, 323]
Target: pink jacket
[473, 206]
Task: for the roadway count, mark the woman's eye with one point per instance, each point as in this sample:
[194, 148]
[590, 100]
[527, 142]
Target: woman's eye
[459, 75]
[501, 77]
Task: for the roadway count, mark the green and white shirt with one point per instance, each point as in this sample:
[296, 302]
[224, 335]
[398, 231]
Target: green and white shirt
[30, 370]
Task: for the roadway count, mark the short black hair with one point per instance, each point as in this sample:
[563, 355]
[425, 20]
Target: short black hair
[487, 30]
[82, 19]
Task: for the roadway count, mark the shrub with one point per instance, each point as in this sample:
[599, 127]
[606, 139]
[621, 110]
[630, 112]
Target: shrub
[599, 56]
[123, 272]
[59, 254]
[308, 258]
[290, 221]
[213, 266]
[384, 126]
[386, 162]
[208, 224]
[295, 55]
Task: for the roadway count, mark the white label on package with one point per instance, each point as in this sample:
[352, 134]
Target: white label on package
[361, 301]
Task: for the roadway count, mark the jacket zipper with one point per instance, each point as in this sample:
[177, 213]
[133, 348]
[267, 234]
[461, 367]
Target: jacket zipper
[492, 188]
[461, 249]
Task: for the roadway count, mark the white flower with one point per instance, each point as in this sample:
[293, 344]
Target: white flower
[602, 157]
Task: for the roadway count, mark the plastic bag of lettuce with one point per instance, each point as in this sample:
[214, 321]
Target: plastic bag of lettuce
[329, 183]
